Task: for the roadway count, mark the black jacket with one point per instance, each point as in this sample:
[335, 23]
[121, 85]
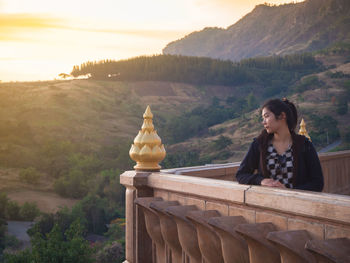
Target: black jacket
[307, 171]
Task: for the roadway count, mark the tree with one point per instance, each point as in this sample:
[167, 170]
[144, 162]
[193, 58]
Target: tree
[23, 257]
[110, 253]
[64, 75]
[93, 208]
[3, 205]
[29, 211]
[342, 106]
[252, 102]
[78, 250]
[2, 234]
[56, 247]
[222, 142]
[43, 226]
[13, 211]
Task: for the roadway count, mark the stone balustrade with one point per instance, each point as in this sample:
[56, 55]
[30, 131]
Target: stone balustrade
[335, 167]
[200, 215]
[222, 221]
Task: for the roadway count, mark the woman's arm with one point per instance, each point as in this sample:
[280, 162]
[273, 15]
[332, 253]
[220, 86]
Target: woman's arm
[313, 170]
[245, 173]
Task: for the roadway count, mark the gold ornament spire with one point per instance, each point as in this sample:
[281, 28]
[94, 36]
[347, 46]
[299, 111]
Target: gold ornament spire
[302, 130]
[147, 150]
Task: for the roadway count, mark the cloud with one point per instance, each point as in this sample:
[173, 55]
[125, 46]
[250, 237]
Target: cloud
[241, 3]
[158, 33]
[12, 25]
[27, 21]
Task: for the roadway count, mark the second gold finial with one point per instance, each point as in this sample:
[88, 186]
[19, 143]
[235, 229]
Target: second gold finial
[303, 131]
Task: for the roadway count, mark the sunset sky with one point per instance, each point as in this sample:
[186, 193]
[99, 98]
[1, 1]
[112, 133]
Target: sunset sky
[40, 39]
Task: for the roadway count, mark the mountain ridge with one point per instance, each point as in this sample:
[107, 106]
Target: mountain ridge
[271, 30]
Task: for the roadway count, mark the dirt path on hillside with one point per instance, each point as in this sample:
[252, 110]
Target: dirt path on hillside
[46, 201]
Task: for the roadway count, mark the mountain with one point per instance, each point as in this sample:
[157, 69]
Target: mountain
[271, 30]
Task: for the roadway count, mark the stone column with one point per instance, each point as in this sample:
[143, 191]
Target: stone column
[138, 245]
[147, 150]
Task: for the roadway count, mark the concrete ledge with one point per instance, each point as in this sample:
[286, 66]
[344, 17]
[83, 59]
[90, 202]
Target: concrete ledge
[206, 188]
[334, 155]
[209, 170]
[134, 178]
[331, 207]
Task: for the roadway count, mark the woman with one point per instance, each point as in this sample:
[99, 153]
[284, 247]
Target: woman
[281, 157]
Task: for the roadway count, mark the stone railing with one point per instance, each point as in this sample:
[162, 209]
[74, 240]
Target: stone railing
[336, 172]
[335, 167]
[200, 215]
[177, 218]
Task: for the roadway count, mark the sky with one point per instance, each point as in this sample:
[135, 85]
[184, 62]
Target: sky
[40, 39]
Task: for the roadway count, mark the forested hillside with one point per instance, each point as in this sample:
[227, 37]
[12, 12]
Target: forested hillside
[264, 75]
[271, 30]
[248, 83]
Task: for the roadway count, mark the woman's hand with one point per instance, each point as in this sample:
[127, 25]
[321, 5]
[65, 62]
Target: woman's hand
[278, 184]
[268, 182]
[272, 183]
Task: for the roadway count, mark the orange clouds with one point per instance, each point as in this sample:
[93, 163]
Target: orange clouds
[11, 25]
[27, 21]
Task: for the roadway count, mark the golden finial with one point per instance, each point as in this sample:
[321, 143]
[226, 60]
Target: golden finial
[302, 130]
[147, 150]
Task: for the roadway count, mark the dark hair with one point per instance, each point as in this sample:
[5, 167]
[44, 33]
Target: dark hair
[277, 106]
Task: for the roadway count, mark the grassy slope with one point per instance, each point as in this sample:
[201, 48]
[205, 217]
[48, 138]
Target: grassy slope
[95, 111]
[85, 112]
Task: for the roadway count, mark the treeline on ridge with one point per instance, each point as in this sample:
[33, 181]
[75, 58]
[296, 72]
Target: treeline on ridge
[267, 71]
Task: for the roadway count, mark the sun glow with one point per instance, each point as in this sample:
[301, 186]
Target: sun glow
[40, 39]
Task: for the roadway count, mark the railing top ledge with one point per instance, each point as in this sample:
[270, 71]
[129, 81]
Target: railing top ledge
[334, 155]
[330, 207]
[207, 167]
[212, 167]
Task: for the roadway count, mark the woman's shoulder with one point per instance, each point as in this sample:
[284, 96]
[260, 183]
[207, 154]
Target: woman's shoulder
[303, 142]
[254, 145]
[299, 139]
[255, 142]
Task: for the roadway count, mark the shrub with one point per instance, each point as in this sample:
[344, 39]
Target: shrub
[110, 253]
[342, 106]
[13, 211]
[12, 242]
[73, 185]
[222, 142]
[24, 256]
[2, 235]
[3, 205]
[325, 129]
[116, 230]
[347, 137]
[29, 211]
[29, 175]
[43, 226]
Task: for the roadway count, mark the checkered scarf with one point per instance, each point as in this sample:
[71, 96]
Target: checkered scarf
[280, 166]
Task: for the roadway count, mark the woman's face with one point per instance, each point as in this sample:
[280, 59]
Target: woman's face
[270, 122]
